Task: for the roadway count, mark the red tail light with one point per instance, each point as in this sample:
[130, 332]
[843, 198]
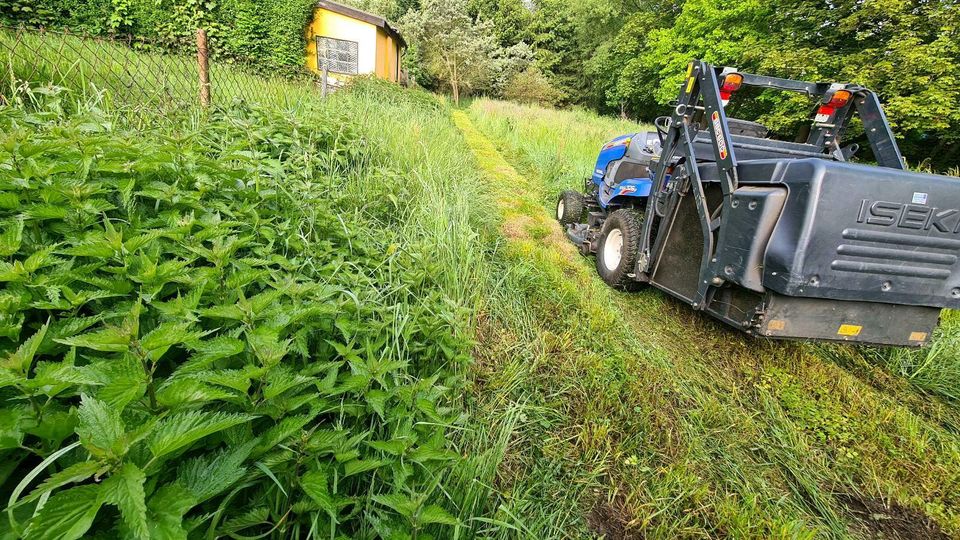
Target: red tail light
[830, 104]
[839, 99]
[731, 82]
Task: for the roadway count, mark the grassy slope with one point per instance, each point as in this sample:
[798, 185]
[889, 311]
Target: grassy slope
[582, 417]
[671, 424]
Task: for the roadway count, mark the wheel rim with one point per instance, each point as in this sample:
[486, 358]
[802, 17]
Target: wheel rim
[612, 250]
[560, 209]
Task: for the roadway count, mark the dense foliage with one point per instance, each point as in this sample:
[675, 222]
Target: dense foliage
[627, 57]
[616, 56]
[265, 35]
[460, 52]
[200, 331]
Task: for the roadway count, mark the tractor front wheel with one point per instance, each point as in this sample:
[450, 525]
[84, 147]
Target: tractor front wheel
[618, 248]
[570, 207]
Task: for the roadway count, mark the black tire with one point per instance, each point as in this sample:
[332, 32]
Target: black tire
[617, 273]
[570, 207]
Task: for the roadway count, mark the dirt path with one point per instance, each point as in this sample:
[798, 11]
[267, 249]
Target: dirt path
[697, 430]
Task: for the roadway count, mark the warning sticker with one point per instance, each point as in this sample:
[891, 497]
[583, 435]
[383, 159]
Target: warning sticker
[718, 133]
[920, 198]
[849, 330]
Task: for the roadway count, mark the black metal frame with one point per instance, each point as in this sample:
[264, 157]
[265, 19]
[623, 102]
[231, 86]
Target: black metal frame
[699, 99]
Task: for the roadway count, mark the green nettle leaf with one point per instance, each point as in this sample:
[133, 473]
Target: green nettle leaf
[67, 515]
[97, 248]
[315, 485]
[124, 489]
[66, 374]
[207, 476]
[280, 379]
[231, 311]
[21, 359]
[431, 453]
[399, 503]
[236, 379]
[188, 391]
[11, 238]
[168, 334]
[165, 511]
[41, 258]
[266, 345]
[286, 428]
[100, 428]
[377, 399]
[12, 422]
[77, 472]
[109, 339]
[183, 429]
[209, 351]
[436, 514]
[259, 515]
[358, 466]
[395, 447]
[56, 427]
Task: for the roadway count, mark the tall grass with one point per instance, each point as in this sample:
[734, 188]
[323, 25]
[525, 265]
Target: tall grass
[560, 145]
[127, 78]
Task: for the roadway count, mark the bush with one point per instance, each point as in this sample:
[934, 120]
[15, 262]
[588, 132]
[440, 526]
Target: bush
[268, 35]
[532, 87]
[197, 334]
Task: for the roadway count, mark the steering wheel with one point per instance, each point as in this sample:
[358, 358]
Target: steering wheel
[662, 123]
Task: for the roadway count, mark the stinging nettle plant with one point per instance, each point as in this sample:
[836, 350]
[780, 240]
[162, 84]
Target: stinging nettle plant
[199, 337]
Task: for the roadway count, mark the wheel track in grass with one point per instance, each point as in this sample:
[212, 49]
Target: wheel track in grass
[699, 430]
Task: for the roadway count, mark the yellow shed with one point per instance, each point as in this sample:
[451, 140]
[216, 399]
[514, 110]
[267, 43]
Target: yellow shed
[352, 42]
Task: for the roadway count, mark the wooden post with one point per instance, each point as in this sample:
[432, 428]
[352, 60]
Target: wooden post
[323, 83]
[203, 61]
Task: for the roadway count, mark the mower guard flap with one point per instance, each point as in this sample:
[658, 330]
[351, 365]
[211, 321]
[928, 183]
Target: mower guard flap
[862, 233]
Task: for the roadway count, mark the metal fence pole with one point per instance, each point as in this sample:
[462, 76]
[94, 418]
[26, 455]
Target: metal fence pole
[203, 61]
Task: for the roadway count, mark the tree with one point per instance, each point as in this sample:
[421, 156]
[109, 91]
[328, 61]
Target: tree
[511, 19]
[457, 50]
[531, 86]
[554, 34]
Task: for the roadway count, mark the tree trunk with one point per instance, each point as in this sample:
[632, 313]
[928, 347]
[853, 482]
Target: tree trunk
[455, 86]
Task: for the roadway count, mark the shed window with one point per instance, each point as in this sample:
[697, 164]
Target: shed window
[337, 55]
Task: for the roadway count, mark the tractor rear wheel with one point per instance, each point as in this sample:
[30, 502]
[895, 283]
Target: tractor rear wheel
[617, 249]
[570, 207]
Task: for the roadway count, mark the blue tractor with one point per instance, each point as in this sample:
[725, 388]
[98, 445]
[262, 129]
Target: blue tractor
[788, 239]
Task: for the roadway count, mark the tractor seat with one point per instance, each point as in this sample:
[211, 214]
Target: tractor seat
[643, 149]
[747, 128]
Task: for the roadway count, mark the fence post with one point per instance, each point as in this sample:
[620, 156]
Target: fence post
[323, 82]
[203, 61]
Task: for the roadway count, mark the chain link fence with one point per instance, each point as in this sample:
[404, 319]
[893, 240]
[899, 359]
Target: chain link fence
[133, 74]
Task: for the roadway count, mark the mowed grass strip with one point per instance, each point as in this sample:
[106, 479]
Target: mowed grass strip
[673, 425]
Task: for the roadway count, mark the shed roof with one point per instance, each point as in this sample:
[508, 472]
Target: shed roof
[355, 13]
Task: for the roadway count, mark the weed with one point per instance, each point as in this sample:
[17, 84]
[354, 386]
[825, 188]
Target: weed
[204, 331]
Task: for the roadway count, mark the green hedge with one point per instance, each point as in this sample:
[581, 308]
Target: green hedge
[268, 35]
